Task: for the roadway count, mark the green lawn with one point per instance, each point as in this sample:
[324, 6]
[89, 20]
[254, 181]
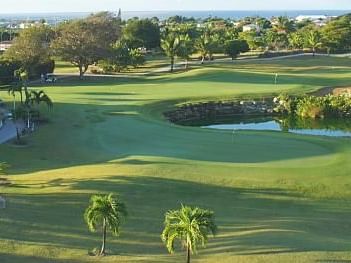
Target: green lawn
[277, 197]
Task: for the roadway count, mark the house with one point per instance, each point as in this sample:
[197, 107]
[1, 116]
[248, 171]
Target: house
[251, 27]
[311, 18]
[318, 20]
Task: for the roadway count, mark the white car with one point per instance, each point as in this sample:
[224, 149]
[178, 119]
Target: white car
[51, 80]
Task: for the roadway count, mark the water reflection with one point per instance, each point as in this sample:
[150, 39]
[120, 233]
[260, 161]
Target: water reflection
[325, 127]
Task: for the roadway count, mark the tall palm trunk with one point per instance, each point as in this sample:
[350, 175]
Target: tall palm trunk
[102, 251]
[172, 64]
[14, 104]
[202, 59]
[188, 254]
[21, 95]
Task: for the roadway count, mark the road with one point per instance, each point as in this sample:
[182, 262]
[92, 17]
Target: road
[8, 130]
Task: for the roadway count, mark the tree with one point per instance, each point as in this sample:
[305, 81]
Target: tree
[121, 58]
[313, 40]
[34, 98]
[86, 41]
[296, 40]
[38, 97]
[186, 48]
[284, 25]
[12, 91]
[263, 23]
[7, 69]
[170, 43]
[202, 45]
[106, 211]
[191, 226]
[136, 58]
[142, 33]
[234, 47]
[275, 39]
[20, 86]
[206, 44]
[118, 60]
[31, 49]
[336, 35]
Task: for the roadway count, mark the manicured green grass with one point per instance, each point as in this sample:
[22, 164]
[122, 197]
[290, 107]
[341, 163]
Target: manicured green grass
[277, 197]
[65, 67]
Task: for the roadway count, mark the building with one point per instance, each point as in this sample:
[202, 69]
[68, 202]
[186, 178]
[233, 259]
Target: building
[251, 27]
[311, 18]
[319, 20]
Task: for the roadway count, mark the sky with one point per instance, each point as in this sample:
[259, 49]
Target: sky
[35, 6]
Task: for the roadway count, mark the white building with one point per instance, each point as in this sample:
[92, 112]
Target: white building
[319, 20]
[251, 27]
[311, 18]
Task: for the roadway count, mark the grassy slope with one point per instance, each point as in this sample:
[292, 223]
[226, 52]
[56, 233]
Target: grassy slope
[278, 197]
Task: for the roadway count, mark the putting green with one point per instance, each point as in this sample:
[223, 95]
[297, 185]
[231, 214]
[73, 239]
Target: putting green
[277, 197]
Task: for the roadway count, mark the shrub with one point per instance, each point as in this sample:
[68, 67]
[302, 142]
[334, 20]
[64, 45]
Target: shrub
[311, 107]
[42, 68]
[284, 104]
[7, 69]
[314, 107]
[269, 54]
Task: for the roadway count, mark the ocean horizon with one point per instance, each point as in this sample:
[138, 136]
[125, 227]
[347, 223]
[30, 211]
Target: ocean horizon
[230, 14]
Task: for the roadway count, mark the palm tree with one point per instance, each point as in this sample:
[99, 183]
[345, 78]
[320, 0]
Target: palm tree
[284, 24]
[203, 45]
[185, 49]
[12, 91]
[37, 97]
[296, 40]
[106, 211]
[21, 85]
[190, 226]
[170, 44]
[313, 40]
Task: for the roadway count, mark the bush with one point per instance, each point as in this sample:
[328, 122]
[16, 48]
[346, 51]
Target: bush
[284, 104]
[269, 54]
[42, 68]
[314, 107]
[311, 107]
[7, 69]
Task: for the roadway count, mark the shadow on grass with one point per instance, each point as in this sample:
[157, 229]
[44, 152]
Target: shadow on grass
[10, 258]
[251, 221]
[334, 261]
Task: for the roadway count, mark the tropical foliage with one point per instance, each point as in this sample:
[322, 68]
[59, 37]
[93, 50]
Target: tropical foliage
[86, 41]
[189, 225]
[314, 107]
[107, 212]
[122, 57]
[171, 43]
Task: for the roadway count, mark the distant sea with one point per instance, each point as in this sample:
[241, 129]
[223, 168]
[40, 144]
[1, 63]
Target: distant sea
[165, 14]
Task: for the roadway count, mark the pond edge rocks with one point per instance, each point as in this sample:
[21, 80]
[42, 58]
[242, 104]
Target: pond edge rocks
[220, 109]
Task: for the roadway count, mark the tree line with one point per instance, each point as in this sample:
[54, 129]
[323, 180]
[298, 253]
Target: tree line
[103, 39]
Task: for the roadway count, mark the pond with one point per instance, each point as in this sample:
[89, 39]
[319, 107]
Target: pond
[325, 127]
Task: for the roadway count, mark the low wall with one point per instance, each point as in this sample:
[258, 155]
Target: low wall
[212, 110]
